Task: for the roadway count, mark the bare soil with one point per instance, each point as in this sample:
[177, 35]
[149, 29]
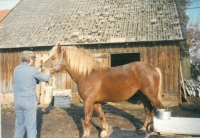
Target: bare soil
[123, 119]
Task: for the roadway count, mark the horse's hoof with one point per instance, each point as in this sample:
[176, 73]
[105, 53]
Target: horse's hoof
[141, 131]
[85, 136]
[103, 134]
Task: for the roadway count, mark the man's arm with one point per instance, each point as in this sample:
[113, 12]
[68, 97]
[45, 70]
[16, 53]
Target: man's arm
[40, 76]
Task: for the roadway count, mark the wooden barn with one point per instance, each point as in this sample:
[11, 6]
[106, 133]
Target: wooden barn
[115, 32]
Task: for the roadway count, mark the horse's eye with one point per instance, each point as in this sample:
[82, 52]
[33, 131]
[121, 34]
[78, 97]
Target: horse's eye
[53, 58]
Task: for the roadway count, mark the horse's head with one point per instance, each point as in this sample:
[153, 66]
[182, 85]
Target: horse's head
[55, 61]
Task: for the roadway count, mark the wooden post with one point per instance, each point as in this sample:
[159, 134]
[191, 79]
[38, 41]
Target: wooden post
[183, 82]
[42, 93]
[40, 88]
[0, 113]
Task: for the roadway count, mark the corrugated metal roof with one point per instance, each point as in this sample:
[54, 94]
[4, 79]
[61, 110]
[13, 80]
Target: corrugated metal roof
[48, 22]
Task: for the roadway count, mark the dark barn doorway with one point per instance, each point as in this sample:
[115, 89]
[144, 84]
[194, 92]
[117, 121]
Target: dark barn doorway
[125, 58]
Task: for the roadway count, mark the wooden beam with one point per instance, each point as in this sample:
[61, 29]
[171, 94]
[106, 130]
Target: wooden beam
[183, 82]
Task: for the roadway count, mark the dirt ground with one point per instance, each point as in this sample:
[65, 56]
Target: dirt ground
[123, 119]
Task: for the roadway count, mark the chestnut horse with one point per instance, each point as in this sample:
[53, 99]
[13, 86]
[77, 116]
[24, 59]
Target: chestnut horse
[98, 83]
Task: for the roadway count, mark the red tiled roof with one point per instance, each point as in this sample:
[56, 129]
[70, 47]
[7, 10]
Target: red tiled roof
[3, 13]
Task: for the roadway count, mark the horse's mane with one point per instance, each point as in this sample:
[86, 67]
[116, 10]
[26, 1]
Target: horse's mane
[81, 61]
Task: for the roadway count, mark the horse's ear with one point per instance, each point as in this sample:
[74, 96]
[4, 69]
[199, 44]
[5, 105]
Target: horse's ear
[59, 48]
[64, 53]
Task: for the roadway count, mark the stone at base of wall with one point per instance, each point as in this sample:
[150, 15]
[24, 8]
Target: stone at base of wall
[7, 99]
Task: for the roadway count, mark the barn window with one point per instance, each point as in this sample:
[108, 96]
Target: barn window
[124, 58]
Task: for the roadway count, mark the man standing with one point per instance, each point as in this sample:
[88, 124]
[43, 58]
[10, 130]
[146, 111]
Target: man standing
[25, 100]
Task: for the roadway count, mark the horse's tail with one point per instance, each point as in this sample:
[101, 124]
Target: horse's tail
[160, 85]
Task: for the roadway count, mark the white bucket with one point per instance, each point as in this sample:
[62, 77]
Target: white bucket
[164, 114]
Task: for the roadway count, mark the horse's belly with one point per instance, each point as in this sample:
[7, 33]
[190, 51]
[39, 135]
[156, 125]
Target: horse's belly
[118, 95]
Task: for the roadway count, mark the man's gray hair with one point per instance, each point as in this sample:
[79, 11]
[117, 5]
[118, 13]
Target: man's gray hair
[26, 55]
[26, 60]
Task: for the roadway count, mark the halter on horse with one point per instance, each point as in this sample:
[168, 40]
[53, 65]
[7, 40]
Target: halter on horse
[53, 68]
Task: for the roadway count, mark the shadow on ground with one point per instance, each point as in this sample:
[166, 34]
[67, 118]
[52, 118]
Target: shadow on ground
[77, 114]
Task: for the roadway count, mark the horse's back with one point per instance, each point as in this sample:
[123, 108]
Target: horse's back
[133, 73]
[137, 69]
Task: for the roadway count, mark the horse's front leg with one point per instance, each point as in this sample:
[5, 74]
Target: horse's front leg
[101, 115]
[88, 109]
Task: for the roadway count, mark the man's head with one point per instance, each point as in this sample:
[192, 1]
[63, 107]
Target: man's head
[28, 57]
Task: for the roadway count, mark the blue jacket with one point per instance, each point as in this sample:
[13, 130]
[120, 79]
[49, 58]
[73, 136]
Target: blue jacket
[26, 77]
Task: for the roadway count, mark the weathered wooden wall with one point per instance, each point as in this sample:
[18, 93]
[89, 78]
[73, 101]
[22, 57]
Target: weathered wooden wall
[164, 55]
[9, 60]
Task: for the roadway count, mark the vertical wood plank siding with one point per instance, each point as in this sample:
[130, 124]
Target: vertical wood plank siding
[165, 55]
[9, 59]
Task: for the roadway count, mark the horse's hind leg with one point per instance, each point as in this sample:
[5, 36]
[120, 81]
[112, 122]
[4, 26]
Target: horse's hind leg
[148, 110]
[149, 104]
[100, 113]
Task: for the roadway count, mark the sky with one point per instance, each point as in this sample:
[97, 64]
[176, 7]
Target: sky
[8, 4]
[194, 12]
